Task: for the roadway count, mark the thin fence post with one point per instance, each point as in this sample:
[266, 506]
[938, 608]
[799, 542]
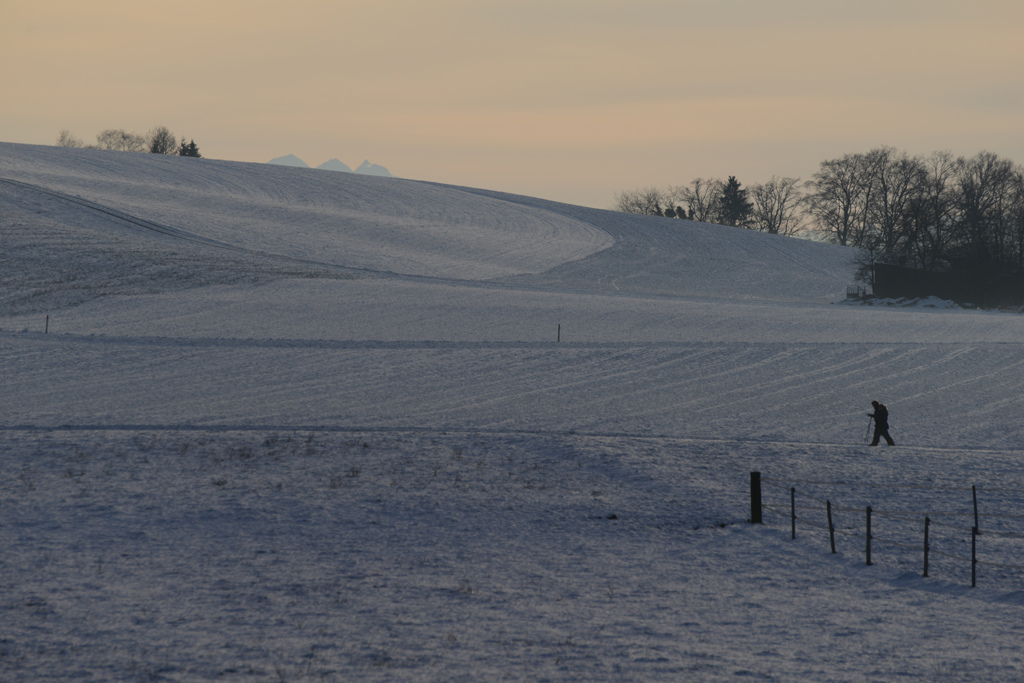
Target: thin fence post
[755, 498]
[927, 523]
[792, 511]
[831, 528]
[974, 495]
[868, 536]
[974, 557]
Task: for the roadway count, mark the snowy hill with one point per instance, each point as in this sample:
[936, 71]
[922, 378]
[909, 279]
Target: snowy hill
[337, 426]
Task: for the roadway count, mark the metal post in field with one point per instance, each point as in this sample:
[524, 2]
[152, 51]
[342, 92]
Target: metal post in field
[868, 536]
[974, 557]
[792, 510]
[755, 498]
[927, 523]
[974, 495]
[831, 527]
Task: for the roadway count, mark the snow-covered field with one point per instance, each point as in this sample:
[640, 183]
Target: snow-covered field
[263, 423]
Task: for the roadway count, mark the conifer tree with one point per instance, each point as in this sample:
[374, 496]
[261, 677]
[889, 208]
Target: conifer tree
[188, 150]
[735, 208]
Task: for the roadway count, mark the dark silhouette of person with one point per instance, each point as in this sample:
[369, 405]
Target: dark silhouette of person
[881, 418]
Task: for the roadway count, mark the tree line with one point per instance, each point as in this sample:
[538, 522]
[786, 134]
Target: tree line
[939, 212]
[159, 140]
[770, 207]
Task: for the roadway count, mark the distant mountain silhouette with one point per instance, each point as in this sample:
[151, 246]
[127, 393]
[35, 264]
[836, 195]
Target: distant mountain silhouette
[289, 160]
[334, 165]
[366, 168]
[373, 169]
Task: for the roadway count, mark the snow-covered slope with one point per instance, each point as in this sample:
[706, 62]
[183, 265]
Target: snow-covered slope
[350, 221]
[268, 423]
[747, 334]
[403, 227]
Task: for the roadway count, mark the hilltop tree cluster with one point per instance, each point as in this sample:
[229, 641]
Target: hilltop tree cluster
[770, 207]
[937, 213]
[160, 140]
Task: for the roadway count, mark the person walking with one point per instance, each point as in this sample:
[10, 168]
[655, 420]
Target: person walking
[881, 418]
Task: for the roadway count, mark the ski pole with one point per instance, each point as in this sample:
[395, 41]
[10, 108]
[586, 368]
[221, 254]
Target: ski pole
[868, 433]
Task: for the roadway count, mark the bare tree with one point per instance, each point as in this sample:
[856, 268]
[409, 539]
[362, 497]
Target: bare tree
[776, 205]
[626, 201]
[648, 201]
[120, 140]
[1016, 222]
[162, 141]
[675, 198]
[836, 197]
[702, 198]
[930, 217]
[66, 139]
[895, 179]
[984, 227]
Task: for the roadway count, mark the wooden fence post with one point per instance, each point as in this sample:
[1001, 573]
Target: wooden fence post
[974, 557]
[974, 495]
[975, 530]
[755, 498]
[831, 528]
[927, 523]
[868, 536]
[792, 511]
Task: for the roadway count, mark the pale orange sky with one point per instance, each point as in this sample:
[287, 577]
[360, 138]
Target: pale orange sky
[571, 100]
